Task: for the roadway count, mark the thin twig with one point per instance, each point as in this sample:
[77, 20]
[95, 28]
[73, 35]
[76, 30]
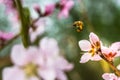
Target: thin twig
[4, 61]
[10, 41]
[109, 62]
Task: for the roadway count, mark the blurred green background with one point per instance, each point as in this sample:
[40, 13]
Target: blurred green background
[99, 16]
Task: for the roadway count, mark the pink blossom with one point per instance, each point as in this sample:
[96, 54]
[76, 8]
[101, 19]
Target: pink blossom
[42, 61]
[66, 5]
[10, 5]
[1, 1]
[116, 47]
[49, 9]
[110, 76]
[39, 29]
[91, 47]
[37, 8]
[50, 51]
[6, 36]
[111, 52]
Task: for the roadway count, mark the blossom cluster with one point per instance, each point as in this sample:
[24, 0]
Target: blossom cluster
[37, 25]
[4, 37]
[37, 63]
[42, 62]
[95, 51]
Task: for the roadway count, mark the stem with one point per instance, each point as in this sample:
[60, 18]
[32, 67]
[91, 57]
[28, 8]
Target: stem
[4, 61]
[25, 23]
[110, 63]
[16, 36]
[114, 69]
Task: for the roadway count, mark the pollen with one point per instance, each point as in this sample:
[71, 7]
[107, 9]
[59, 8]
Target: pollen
[30, 69]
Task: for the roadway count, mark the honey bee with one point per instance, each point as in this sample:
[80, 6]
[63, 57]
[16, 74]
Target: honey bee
[78, 25]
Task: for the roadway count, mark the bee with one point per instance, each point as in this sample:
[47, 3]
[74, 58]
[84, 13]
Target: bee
[78, 25]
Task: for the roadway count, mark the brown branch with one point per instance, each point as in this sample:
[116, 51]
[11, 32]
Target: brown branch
[4, 61]
[109, 62]
[10, 41]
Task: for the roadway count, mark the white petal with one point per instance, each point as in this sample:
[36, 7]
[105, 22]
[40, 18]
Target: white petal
[84, 45]
[118, 78]
[109, 76]
[61, 75]
[93, 38]
[32, 54]
[115, 46]
[96, 58]
[47, 74]
[85, 57]
[106, 50]
[13, 73]
[65, 64]
[18, 55]
[34, 78]
[34, 34]
[49, 46]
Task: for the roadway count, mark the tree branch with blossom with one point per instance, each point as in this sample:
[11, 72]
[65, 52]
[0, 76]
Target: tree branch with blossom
[96, 51]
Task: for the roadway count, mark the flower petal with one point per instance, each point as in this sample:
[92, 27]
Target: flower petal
[34, 78]
[40, 29]
[96, 58]
[49, 47]
[47, 74]
[61, 75]
[93, 38]
[18, 55]
[13, 73]
[115, 46]
[109, 76]
[65, 64]
[49, 9]
[106, 50]
[32, 54]
[85, 57]
[85, 45]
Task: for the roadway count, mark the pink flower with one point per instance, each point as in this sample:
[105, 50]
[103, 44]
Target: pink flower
[24, 61]
[6, 36]
[111, 52]
[110, 76]
[116, 47]
[37, 63]
[49, 9]
[38, 29]
[10, 5]
[1, 1]
[66, 5]
[50, 51]
[91, 47]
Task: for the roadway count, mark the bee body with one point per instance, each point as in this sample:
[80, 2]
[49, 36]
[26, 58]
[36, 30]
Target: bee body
[78, 25]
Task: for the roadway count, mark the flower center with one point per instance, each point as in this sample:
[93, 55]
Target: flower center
[110, 56]
[94, 49]
[30, 69]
